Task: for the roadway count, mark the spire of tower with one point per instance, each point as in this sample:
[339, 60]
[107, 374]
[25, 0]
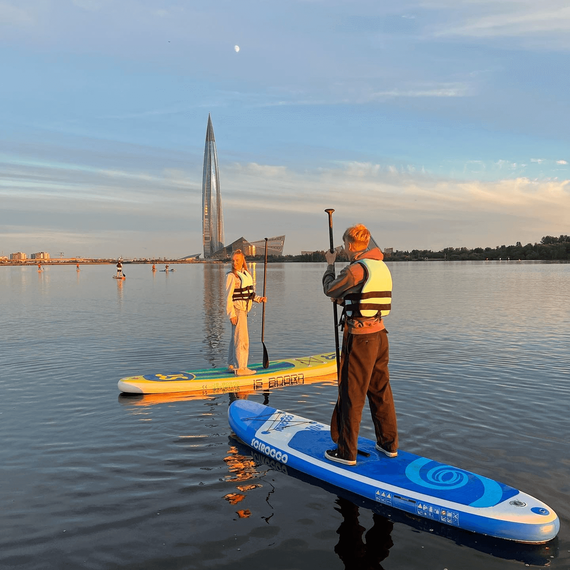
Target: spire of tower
[210, 131]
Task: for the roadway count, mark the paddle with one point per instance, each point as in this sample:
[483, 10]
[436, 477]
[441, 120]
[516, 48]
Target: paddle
[330, 211]
[265, 355]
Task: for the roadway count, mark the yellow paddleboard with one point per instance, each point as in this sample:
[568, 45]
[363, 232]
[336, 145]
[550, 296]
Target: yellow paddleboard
[280, 373]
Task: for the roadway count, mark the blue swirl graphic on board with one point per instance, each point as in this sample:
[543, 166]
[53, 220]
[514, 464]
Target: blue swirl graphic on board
[447, 478]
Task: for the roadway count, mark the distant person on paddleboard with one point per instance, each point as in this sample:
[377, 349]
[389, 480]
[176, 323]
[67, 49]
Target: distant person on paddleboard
[119, 269]
[240, 297]
[364, 288]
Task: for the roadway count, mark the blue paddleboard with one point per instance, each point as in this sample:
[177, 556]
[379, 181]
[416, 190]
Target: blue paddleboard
[408, 482]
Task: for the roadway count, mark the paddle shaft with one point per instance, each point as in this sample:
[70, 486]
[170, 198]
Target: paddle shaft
[265, 355]
[264, 290]
[330, 211]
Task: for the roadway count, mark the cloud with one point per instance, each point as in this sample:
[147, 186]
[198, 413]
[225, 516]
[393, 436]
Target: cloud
[362, 94]
[44, 234]
[401, 189]
[88, 190]
[548, 19]
[13, 15]
[105, 210]
[254, 169]
[446, 90]
[561, 162]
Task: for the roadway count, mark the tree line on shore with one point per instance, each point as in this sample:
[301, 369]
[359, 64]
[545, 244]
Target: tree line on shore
[548, 249]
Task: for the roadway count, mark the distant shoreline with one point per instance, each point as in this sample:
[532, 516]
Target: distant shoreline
[36, 262]
[88, 262]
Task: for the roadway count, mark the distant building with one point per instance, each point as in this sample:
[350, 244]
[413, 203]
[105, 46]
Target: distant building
[275, 246]
[388, 252]
[40, 255]
[18, 256]
[252, 249]
[246, 247]
[212, 217]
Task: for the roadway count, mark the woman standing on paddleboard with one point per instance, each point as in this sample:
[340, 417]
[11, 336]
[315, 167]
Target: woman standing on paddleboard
[240, 297]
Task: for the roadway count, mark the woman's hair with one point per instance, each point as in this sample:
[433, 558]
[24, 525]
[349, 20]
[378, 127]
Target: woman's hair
[358, 235]
[239, 252]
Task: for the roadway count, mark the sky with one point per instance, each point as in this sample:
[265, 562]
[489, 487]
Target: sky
[437, 123]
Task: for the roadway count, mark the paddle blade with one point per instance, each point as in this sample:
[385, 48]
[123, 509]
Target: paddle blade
[265, 357]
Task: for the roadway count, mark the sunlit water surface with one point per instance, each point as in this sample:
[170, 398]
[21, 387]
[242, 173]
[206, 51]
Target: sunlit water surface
[480, 363]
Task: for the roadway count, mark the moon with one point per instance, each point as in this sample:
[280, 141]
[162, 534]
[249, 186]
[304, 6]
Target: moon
[236, 48]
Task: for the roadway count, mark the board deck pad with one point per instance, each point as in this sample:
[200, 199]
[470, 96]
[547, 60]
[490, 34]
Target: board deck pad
[409, 482]
[279, 373]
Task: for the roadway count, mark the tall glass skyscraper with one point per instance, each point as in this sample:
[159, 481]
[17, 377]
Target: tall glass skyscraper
[212, 217]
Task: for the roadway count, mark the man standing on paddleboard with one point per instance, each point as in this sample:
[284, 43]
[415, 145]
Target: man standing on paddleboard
[364, 288]
[240, 296]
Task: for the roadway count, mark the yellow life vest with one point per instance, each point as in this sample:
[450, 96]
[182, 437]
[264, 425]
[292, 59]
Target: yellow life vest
[375, 298]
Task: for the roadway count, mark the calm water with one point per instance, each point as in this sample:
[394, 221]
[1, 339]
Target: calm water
[480, 365]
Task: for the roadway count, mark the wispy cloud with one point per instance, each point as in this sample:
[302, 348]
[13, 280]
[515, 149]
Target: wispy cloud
[548, 19]
[366, 93]
[446, 90]
[14, 15]
[270, 199]
[256, 170]
[86, 189]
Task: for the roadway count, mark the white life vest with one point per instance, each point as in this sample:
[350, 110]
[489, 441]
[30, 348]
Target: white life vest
[375, 298]
[245, 292]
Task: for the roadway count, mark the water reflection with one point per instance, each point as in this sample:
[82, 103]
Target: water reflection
[242, 468]
[356, 551]
[120, 293]
[214, 311]
[146, 400]
[43, 283]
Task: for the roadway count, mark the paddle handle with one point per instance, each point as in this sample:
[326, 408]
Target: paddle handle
[330, 211]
